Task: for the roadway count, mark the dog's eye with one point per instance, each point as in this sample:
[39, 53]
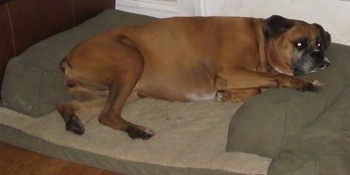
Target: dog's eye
[300, 44]
[319, 45]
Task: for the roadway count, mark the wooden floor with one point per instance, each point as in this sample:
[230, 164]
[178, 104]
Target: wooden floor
[18, 161]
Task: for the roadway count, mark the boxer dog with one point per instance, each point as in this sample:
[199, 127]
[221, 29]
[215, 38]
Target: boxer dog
[188, 59]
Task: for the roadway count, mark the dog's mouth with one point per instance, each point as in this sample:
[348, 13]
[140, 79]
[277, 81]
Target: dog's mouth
[321, 66]
[308, 67]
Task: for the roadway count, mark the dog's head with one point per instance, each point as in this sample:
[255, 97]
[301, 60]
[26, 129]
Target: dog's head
[295, 47]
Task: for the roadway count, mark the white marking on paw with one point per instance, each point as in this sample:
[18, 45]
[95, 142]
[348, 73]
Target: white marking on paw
[202, 97]
[317, 83]
[219, 97]
[149, 131]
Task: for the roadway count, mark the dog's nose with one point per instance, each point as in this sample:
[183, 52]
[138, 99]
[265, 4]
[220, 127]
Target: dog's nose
[317, 54]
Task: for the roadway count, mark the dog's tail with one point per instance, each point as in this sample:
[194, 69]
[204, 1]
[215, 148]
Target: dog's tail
[64, 64]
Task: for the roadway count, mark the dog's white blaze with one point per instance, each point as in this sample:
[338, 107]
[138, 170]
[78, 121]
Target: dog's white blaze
[279, 71]
[201, 97]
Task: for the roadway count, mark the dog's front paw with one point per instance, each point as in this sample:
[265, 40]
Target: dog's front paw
[137, 132]
[311, 85]
[222, 96]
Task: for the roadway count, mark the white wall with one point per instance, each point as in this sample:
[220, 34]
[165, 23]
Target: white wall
[162, 8]
[333, 15]
[155, 8]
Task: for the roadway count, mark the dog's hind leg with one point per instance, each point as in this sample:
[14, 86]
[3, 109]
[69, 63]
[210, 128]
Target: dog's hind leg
[68, 111]
[88, 95]
[119, 93]
[117, 66]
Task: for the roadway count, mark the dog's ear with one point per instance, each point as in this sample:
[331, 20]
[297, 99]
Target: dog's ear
[276, 25]
[326, 37]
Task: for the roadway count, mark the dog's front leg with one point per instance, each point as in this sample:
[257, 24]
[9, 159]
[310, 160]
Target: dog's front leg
[235, 95]
[243, 79]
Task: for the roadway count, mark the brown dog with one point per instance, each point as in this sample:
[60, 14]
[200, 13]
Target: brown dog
[189, 59]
